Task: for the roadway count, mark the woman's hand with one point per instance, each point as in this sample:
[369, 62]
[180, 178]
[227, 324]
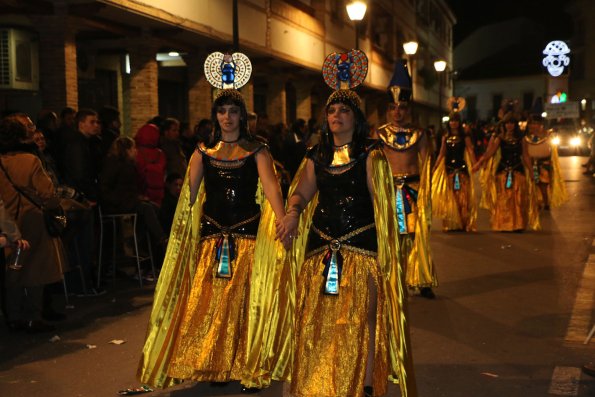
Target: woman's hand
[287, 228]
[22, 244]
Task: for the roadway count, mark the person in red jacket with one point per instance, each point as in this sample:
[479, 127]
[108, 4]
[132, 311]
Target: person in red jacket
[151, 163]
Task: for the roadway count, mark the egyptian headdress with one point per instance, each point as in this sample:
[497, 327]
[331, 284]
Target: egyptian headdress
[342, 72]
[269, 320]
[400, 87]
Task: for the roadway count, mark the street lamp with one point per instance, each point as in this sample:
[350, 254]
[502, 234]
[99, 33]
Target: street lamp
[440, 66]
[356, 10]
[410, 47]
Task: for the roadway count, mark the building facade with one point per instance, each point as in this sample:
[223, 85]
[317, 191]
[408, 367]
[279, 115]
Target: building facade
[146, 57]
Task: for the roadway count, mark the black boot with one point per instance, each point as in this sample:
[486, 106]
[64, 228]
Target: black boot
[368, 391]
[427, 292]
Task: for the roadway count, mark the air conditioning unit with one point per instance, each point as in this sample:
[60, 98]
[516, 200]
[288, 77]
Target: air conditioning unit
[19, 60]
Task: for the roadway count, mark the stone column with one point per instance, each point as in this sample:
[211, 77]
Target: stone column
[304, 101]
[58, 81]
[276, 101]
[143, 82]
[200, 98]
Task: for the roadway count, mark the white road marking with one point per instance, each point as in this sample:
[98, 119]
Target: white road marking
[580, 321]
[565, 381]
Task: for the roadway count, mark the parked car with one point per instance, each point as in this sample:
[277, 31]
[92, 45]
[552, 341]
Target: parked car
[571, 139]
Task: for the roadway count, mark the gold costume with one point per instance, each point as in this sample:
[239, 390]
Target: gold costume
[207, 328]
[456, 206]
[414, 231]
[332, 332]
[546, 169]
[508, 190]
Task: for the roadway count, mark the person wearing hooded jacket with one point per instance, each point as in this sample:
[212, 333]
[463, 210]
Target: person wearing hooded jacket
[151, 163]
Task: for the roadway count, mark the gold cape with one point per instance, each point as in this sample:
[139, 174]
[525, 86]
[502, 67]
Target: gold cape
[557, 188]
[444, 204]
[420, 265]
[269, 322]
[489, 195]
[400, 354]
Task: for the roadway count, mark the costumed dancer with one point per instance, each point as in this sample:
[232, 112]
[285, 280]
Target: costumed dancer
[220, 312]
[544, 157]
[453, 189]
[406, 149]
[508, 189]
[351, 322]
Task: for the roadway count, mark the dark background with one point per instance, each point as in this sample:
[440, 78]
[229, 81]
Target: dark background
[472, 14]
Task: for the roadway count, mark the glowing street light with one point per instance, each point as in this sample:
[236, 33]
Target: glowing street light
[440, 65]
[356, 11]
[410, 47]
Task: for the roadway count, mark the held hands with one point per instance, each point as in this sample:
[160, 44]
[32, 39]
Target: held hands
[286, 228]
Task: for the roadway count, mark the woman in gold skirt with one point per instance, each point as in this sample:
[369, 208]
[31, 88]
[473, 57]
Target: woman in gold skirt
[207, 334]
[509, 190]
[344, 323]
[453, 190]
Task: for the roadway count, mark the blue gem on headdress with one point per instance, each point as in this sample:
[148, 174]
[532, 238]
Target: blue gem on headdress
[228, 70]
[343, 69]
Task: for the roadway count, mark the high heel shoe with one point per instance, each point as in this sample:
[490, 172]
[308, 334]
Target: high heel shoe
[368, 391]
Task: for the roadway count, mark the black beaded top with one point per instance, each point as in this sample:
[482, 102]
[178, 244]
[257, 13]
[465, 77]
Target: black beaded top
[344, 203]
[455, 153]
[231, 181]
[511, 154]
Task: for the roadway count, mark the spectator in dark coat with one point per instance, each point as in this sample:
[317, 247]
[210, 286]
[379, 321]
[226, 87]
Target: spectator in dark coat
[81, 155]
[109, 117]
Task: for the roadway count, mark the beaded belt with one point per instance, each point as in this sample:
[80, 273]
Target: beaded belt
[225, 247]
[333, 260]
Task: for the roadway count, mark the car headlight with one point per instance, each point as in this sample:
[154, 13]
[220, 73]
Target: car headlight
[575, 141]
[556, 140]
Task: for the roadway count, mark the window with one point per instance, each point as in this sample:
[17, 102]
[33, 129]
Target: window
[527, 100]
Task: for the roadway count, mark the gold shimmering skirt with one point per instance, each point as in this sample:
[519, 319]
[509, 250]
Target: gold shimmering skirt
[211, 344]
[510, 211]
[462, 220]
[332, 331]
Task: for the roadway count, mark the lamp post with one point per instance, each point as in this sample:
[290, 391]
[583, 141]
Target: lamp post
[410, 49]
[356, 10]
[440, 66]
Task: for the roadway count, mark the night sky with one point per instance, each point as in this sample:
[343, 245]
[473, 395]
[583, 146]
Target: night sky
[472, 14]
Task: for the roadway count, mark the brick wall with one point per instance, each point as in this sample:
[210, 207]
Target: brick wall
[143, 84]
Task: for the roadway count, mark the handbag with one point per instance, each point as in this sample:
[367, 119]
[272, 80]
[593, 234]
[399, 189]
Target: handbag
[54, 217]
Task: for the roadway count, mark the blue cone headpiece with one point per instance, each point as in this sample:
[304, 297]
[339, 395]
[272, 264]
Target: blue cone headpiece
[400, 87]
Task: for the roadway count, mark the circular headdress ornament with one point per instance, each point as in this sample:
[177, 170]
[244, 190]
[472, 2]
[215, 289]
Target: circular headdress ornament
[225, 71]
[342, 71]
[456, 104]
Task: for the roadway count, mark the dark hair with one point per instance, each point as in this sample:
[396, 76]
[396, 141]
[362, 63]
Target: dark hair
[12, 134]
[229, 97]
[167, 123]
[120, 147]
[325, 150]
[82, 114]
[107, 115]
[66, 111]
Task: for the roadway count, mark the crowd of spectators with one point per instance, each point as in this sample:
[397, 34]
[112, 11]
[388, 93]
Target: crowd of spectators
[82, 162]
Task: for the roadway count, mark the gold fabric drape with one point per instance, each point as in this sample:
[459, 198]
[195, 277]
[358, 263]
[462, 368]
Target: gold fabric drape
[269, 310]
[389, 258]
[420, 265]
[457, 209]
[172, 291]
[557, 188]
